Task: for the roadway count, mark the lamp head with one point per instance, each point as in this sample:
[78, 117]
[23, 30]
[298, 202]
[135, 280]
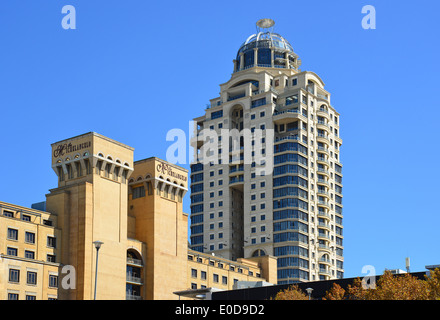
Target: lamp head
[98, 244]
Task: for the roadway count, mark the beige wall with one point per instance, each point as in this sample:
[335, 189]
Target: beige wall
[161, 224]
[93, 206]
[90, 205]
[252, 269]
[40, 248]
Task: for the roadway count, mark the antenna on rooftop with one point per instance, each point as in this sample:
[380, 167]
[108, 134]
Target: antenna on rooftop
[407, 263]
[265, 25]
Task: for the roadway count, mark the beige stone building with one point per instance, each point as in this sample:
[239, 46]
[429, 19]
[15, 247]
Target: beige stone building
[133, 208]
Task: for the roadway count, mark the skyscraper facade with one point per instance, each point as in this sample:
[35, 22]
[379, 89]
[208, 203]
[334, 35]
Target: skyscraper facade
[267, 176]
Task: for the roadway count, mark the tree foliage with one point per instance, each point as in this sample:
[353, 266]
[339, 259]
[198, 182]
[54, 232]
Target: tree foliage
[291, 293]
[388, 287]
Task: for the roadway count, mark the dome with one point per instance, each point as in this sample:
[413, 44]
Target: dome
[266, 49]
[265, 40]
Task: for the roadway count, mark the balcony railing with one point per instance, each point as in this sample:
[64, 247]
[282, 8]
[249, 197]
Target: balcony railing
[134, 261]
[319, 95]
[287, 111]
[236, 179]
[324, 271]
[323, 235]
[295, 137]
[238, 96]
[133, 278]
[235, 169]
[129, 296]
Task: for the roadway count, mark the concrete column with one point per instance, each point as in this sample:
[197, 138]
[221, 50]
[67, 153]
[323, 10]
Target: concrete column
[271, 58]
[255, 56]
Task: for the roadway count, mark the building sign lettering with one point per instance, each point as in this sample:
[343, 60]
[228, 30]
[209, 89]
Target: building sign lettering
[66, 148]
[167, 169]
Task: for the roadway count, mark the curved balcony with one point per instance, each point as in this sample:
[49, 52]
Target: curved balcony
[323, 149]
[323, 204]
[323, 160]
[324, 215]
[323, 126]
[322, 182]
[338, 139]
[286, 116]
[323, 225]
[323, 193]
[234, 169]
[323, 113]
[324, 248]
[322, 236]
[237, 182]
[322, 138]
[323, 171]
[324, 272]
[325, 261]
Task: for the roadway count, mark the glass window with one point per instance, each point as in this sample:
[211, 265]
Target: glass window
[53, 281]
[51, 242]
[264, 57]
[12, 234]
[29, 237]
[138, 192]
[11, 251]
[31, 278]
[14, 275]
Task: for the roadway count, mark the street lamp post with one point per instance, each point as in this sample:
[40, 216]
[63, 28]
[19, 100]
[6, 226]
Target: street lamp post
[97, 246]
[309, 292]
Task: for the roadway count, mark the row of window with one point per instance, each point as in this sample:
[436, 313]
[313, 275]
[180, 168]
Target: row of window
[215, 277]
[30, 237]
[15, 296]
[25, 217]
[31, 278]
[290, 191]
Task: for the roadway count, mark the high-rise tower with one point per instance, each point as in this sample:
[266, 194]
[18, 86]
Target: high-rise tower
[276, 188]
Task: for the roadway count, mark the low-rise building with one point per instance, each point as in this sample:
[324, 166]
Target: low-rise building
[135, 208]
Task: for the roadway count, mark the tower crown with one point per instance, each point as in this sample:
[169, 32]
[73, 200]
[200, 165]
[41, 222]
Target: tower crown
[266, 49]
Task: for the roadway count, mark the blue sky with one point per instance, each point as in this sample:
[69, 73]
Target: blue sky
[131, 62]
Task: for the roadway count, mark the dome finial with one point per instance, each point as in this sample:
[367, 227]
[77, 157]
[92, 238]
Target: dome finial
[265, 24]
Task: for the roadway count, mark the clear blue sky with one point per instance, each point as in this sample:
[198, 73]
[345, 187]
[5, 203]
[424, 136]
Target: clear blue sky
[129, 63]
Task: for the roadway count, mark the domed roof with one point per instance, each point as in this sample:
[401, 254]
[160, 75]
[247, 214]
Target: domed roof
[265, 40]
[266, 49]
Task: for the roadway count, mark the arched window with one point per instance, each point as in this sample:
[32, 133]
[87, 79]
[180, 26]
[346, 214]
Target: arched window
[78, 169]
[107, 170]
[166, 189]
[88, 166]
[69, 171]
[258, 253]
[99, 167]
[135, 275]
[60, 173]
